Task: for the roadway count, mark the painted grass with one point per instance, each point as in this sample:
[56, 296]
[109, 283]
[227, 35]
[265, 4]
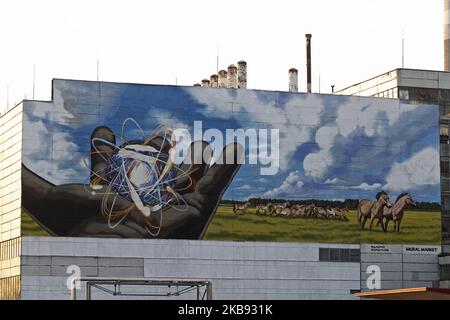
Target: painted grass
[31, 228]
[418, 227]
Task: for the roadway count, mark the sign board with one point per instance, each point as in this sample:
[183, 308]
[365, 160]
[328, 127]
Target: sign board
[377, 248]
[422, 250]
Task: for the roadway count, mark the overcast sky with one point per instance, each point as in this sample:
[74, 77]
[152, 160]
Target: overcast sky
[164, 41]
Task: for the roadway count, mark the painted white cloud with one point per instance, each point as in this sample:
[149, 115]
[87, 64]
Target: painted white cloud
[325, 136]
[422, 169]
[365, 133]
[47, 152]
[37, 139]
[332, 181]
[50, 171]
[165, 118]
[367, 187]
[373, 118]
[292, 186]
[316, 164]
[244, 188]
[295, 121]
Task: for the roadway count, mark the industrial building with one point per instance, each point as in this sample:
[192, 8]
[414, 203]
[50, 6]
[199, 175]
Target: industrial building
[420, 86]
[38, 254]
[61, 161]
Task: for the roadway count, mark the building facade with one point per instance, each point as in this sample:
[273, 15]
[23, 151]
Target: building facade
[88, 187]
[418, 86]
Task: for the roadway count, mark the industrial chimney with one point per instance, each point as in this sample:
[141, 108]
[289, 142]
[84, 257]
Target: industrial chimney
[223, 79]
[232, 77]
[214, 81]
[293, 80]
[205, 83]
[447, 35]
[242, 75]
[308, 63]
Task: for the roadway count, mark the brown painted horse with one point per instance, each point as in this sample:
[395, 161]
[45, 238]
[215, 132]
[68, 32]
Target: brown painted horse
[373, 210]
[396, 212]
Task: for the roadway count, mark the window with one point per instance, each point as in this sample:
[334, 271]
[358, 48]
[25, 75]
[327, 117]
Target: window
[339, 255]
[10, 288]
[445, 169]
[444, 130]
[445, 187]
[445, 202]
[10, 249]
[445, 272]
[403, 95]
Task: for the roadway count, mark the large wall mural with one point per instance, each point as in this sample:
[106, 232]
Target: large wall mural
[169, 162]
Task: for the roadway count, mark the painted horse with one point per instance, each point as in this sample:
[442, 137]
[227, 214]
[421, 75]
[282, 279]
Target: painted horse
[373, 210]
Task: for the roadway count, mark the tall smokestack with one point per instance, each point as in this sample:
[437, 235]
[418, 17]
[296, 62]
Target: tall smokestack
[242, 74]
[214, 81]
[447, 35]
[232, 77]
[308, 63]
[223, 83]
[205, 83]
[293, 80]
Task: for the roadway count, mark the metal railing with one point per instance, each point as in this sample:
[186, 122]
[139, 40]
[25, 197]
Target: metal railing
[114, 286]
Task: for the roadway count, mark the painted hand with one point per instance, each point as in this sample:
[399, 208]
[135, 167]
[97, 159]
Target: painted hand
[71, 210]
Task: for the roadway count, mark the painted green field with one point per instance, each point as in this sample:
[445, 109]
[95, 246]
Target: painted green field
[31, 228]
[417, 227]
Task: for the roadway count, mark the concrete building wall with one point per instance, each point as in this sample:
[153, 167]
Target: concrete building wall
[372, 87]
[238, 270]
[400, 269]
[10, 202]
[10, 173]
[418, 86]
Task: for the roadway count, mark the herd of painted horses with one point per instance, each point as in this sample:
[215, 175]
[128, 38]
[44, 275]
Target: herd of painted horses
[380, 210]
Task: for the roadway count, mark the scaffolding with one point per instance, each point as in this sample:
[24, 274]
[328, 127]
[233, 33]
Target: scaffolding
[114, 287]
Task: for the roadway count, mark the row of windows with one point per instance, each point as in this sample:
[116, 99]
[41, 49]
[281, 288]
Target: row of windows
[10, 288]
[391, 94]
[10, 249]
[339, 255]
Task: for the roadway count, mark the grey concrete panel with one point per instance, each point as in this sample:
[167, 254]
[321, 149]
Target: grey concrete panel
[36, 270]
[379, 258]
[421, 276]
[422, 267]
[121, 262]
[385, 276]
[124, 272]
[420, 258]
[240, 270]
[85, 271]
[385, 267]
[385, 285]
[79, 261]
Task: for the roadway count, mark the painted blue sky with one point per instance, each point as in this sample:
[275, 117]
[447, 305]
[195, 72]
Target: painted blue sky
[331, 147]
